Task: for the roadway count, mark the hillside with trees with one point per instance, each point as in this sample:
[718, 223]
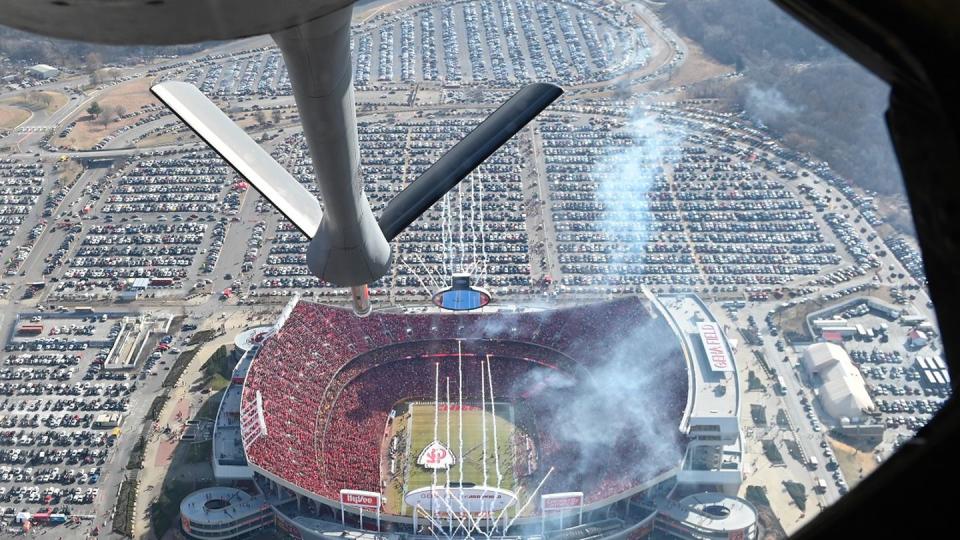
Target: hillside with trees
[796, 84]
[25, 48]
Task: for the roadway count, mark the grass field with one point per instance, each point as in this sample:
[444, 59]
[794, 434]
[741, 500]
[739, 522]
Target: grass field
[421, 435]
[11, 117]
[132, 96]
[32, 100]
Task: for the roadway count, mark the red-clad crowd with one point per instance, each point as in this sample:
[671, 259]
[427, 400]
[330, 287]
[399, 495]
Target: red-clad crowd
[329, 380]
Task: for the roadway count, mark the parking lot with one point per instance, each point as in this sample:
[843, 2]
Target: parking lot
[165, 215]
[482, 222]
[163, 219]
[68, 415]
[494, 42]
[727, 212]
[893, 370]
[58, 414]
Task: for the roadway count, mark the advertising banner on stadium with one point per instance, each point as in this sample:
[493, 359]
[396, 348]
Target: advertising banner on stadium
[473, 500]
[713, 343]
[561, 501]
[360, 499]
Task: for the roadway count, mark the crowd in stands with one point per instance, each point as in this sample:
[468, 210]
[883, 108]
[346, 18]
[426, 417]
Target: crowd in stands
[329, 381]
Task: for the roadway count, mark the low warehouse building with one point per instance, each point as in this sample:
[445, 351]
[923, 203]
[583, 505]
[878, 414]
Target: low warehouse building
[43, 71]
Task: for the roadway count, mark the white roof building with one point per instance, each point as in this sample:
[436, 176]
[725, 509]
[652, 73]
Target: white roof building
[843, 392]
[43, 71]
[140, 284]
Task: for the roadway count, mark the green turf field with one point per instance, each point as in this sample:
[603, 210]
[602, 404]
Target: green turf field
[421, 433]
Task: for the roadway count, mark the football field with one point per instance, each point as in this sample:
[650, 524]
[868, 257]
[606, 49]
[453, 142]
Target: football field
[498, 449]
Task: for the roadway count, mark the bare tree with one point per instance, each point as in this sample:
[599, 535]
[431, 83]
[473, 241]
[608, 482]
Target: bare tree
[261, 117]
[33, 98]
[93, 62]
[107, 116]
[276, 116]
[120, 110]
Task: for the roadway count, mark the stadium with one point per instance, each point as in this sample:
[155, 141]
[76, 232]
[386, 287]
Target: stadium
[507, 421]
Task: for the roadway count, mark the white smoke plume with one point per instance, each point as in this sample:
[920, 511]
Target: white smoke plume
[625, 406]
[767, 104]
[626, 178]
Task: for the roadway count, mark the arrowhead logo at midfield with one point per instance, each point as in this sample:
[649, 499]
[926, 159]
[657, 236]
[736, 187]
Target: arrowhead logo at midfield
[436, 456]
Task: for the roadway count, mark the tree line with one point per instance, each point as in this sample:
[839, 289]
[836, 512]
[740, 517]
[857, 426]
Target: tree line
[26, 48]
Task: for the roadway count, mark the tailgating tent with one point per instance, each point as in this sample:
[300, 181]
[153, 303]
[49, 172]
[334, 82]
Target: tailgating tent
[843, 393]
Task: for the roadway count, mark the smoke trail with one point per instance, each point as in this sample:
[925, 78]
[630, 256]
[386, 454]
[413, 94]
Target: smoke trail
[491, 326]
[627, 407]
[767, 104]
[625, 178]
[541, 380]
[503, 326]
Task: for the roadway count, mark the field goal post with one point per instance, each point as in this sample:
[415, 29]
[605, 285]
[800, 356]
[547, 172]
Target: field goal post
[362, 500]
[560, 503]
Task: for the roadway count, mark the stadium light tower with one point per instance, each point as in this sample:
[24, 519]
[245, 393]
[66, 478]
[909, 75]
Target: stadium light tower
[348, 245]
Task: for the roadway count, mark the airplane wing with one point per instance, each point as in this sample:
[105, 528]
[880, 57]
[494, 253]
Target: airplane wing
[243, 153]
[465, 156]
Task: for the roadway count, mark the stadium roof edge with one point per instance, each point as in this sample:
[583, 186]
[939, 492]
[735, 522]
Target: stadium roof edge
[715, 394]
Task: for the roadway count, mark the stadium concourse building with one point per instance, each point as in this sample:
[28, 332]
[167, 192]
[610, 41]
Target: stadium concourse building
[598, 420]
